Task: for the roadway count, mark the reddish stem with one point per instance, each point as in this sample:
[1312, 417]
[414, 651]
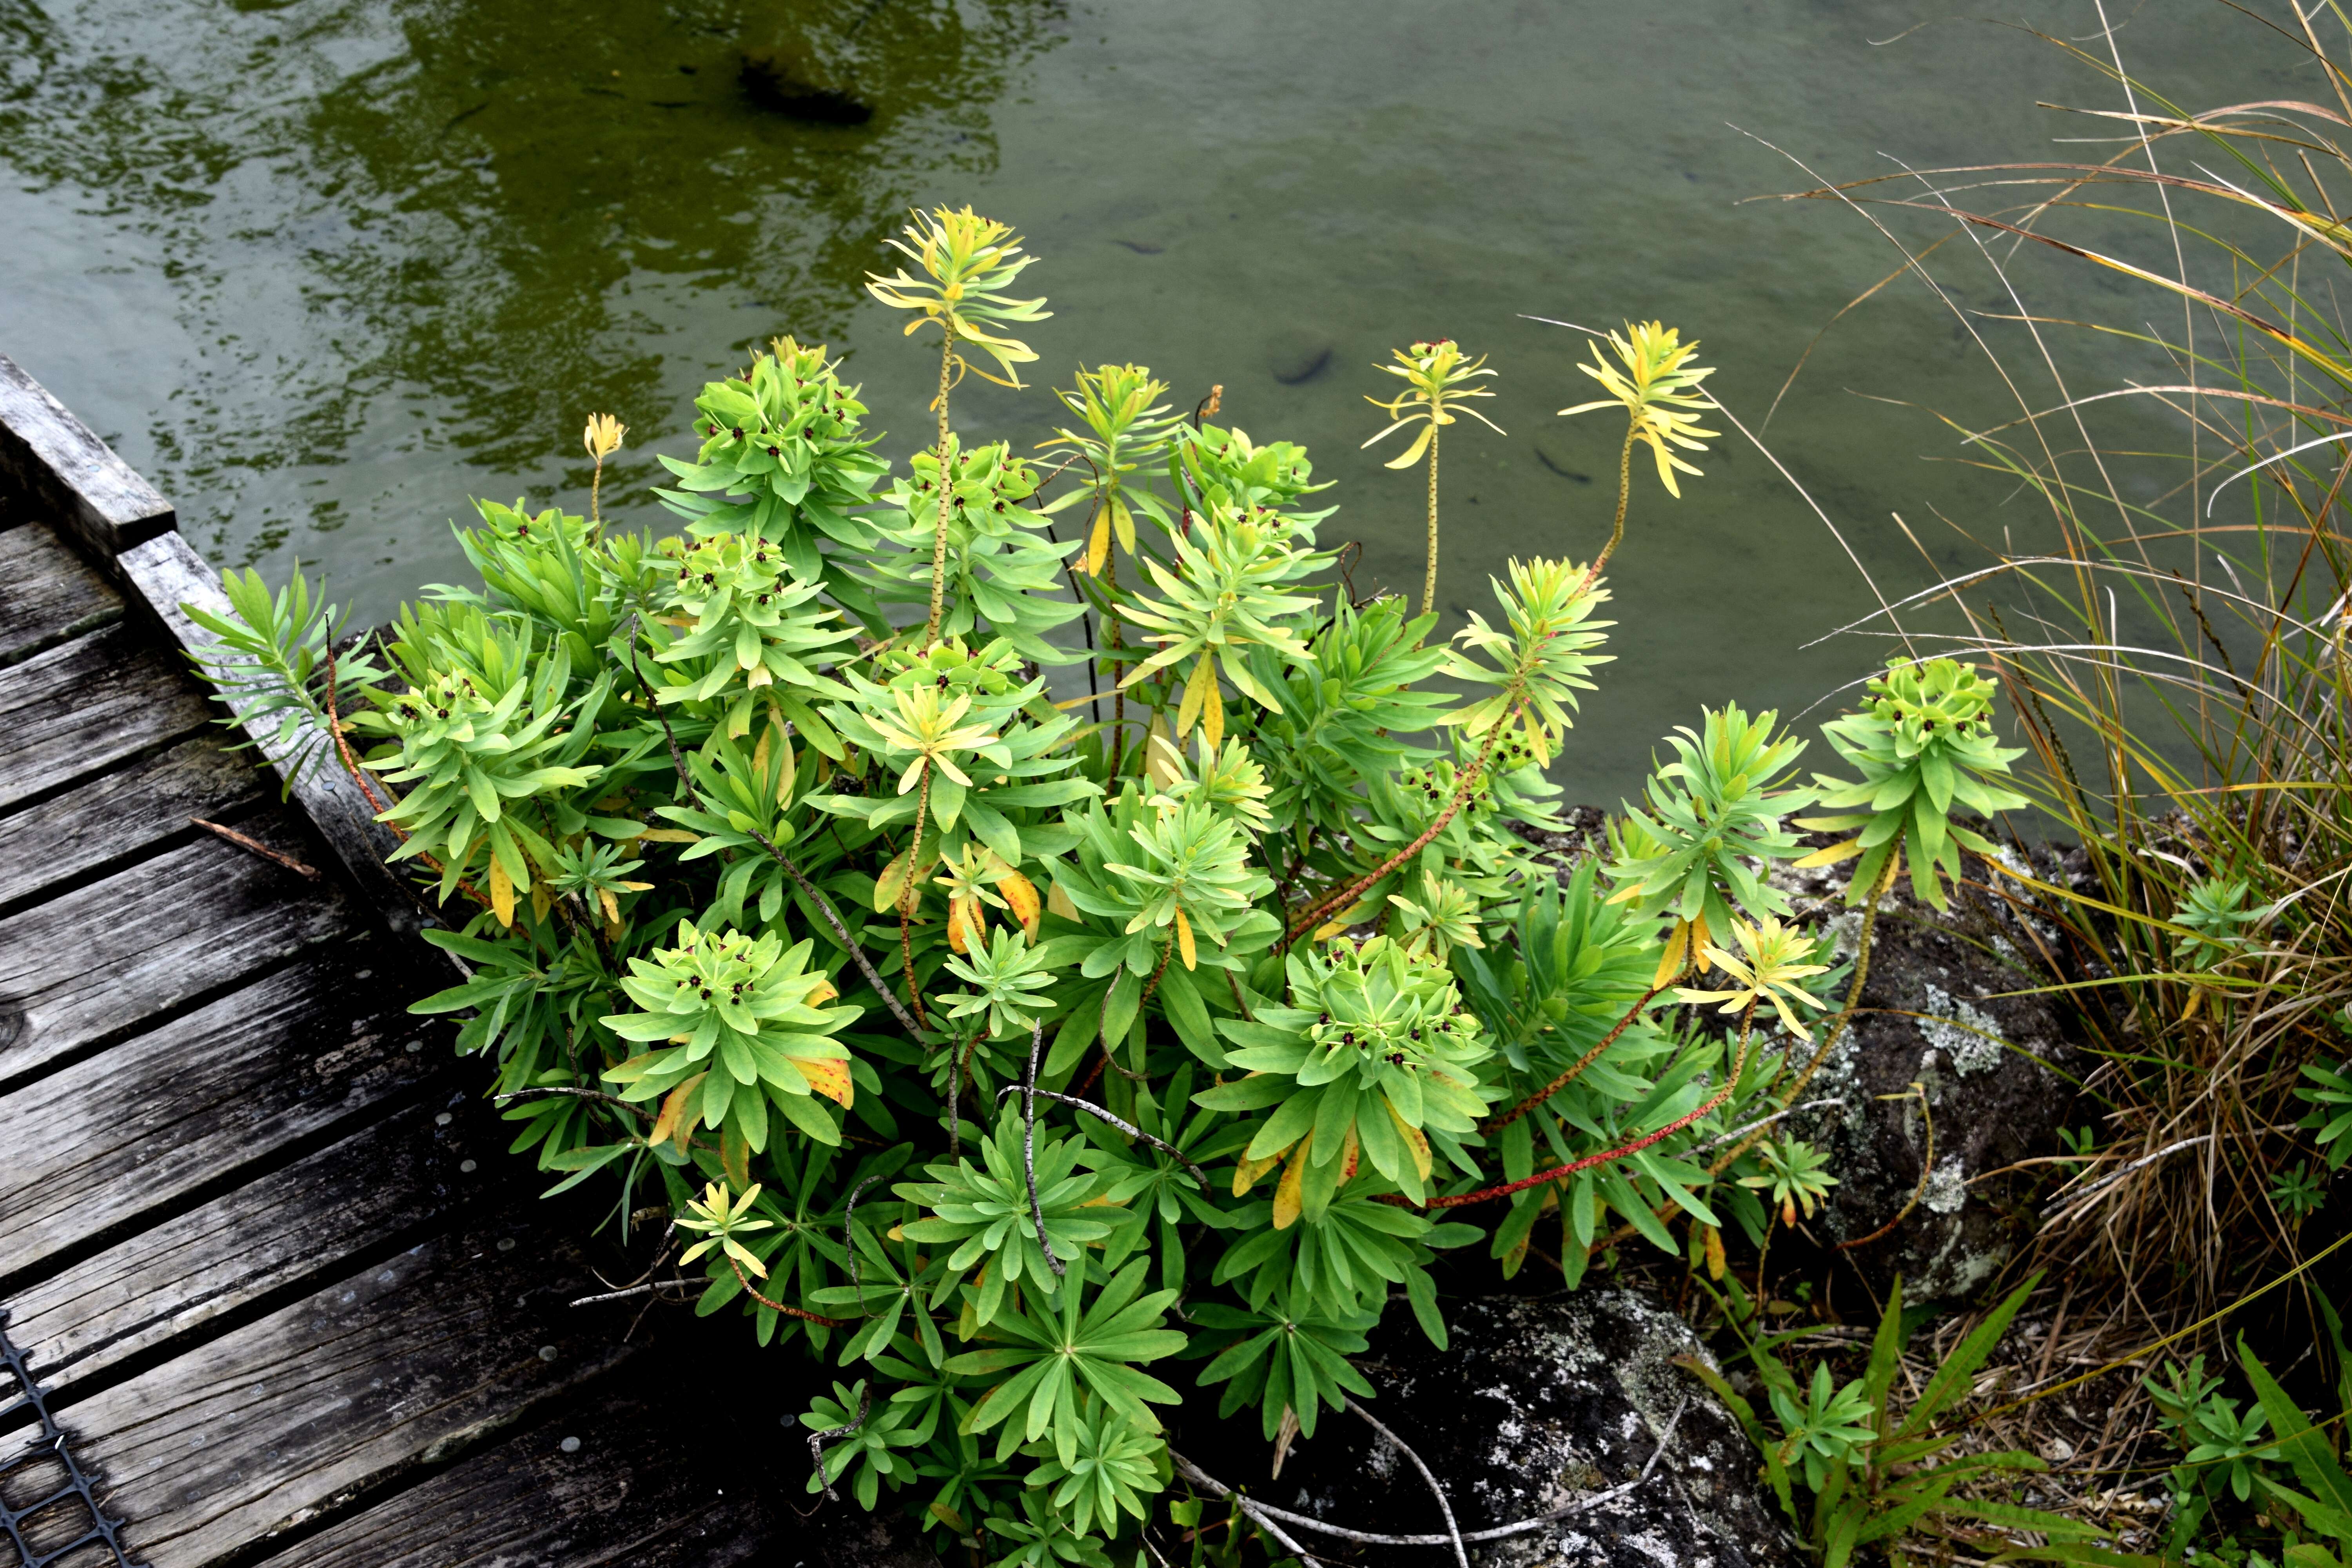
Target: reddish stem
[1573, 1073]
[1730, 1083]
[753, 1291]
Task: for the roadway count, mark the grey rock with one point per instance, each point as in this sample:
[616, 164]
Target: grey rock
[1536, 1403]
[1998, 1072]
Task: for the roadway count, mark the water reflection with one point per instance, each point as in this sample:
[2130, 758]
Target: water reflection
[398, 235]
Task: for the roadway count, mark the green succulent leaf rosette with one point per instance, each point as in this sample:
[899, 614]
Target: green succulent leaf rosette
[752, 630]
[1923, 743]
[984, 1211]
[1003, 569]
[746, 1030]
[1374, 1054]
[784, 456]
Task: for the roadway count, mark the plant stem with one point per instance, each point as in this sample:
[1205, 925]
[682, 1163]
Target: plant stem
[1829, 1035]
[752, 1291]
[1617, 533]
[1577, 1071]
[1100, 1114]
[840, 928]
[1730, 1083]
[1429, 580]
[947, 494]
[1469, 780]
[1029, 1144]
[907, 897]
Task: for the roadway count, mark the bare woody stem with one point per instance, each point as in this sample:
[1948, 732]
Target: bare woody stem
[1347, 896]
[1100, 1114]
[841, 930]
[1583, 1062]
[947, 498]
[1029, 1144]
[1429, 579]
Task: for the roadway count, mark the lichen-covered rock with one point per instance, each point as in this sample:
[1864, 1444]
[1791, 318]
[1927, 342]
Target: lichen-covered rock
[1996, 1071]
[1536, 1403]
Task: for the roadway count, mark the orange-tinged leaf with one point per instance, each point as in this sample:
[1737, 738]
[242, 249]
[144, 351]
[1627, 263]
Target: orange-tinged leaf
[676, 1120]
[502, 893]
[1714, 1252]
[1021, 895]
[1184, 939]
[828, 1076]
[1288, 1194]
[824, 992]
[966, 924]
[1348, 1152]
[1246, 1172]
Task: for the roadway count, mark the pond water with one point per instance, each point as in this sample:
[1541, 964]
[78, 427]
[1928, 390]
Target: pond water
[326, 268]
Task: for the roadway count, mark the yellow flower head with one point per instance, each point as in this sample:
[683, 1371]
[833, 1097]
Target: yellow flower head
[1773, 964]
[966, 260]
[1436, 379]
[603, 437]
[1657, 383]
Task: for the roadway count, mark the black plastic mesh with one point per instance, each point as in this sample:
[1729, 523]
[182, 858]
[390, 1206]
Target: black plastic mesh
[49, 1510]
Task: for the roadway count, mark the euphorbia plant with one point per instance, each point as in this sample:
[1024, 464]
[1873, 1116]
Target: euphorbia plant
[1004, 1051]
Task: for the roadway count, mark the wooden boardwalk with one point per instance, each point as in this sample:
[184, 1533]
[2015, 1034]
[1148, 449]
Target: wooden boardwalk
[261, 1245]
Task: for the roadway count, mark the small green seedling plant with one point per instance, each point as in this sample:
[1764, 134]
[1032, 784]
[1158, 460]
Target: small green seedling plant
[1041, 970]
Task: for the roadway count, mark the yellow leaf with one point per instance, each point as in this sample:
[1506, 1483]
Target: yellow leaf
[1213, 712]
[735, 1155]
[823, 993]
[1670, 963]
[541, 902]
[1414, 1142]
[828, 1076]
[1098, 547]
[1057, 901]
[1830, 856]
[1287, 1197]
[1196, 688]
[1247, 1171]
[612, 905]
[1348, 1152]
[502, 893]
[1184, 939]
[767, 743]
[1714, 1252]
[670, 836]
[1125, 522]
[1020, 893]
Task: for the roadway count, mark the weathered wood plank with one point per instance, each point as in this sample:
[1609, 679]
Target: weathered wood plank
[280, 1230]
[131, 1132]
[166, 576]
[51, 464]
[102, 959]
[530, 1504]
[48, 593]
[123, 815]
[81, 708]
[406, 1363]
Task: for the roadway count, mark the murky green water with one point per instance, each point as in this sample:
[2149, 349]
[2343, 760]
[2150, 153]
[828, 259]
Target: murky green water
[324, 268]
